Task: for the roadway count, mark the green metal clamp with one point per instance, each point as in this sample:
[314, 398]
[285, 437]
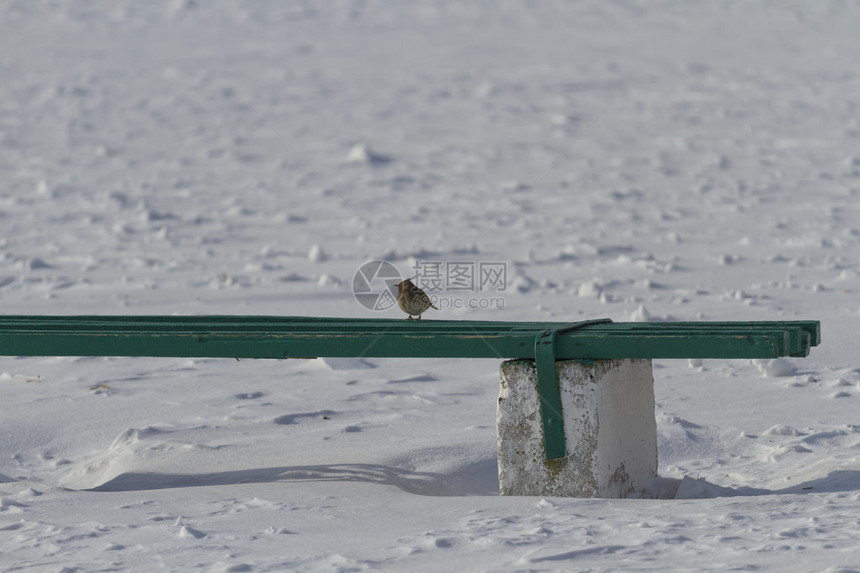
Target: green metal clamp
[549, 392]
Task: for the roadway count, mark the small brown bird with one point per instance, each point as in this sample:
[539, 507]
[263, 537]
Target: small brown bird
[412, 299]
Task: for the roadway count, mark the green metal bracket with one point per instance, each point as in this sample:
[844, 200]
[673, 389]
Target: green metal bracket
[549, 392]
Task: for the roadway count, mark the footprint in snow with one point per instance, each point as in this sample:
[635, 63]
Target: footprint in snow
[249, 396]
[289, 419]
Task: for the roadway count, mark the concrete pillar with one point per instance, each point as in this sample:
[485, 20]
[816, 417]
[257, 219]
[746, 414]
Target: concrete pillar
[609, 426]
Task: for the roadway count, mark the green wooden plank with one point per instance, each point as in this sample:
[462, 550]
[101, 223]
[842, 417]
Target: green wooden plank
[326, 326]
[284, 337]
[223, 320]
[801, 335]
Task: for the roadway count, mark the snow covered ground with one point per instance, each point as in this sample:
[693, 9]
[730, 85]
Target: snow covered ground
[634, 160]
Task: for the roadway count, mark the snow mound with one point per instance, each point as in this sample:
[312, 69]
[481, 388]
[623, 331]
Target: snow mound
[362, 153]
[776, 368]
[335, 364]
[134, 451]
[782, 430]
[688, 488]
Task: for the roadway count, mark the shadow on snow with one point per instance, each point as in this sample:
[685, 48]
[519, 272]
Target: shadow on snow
[479, 478]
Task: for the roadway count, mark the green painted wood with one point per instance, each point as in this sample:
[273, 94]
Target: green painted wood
[303, 337]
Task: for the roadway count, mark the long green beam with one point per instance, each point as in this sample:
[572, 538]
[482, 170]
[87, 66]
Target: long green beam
[308, 337]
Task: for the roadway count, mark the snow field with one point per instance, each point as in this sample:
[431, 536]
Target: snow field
[640, 161]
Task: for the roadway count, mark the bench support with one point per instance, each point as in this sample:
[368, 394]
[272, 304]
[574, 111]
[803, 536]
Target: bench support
[609, 429]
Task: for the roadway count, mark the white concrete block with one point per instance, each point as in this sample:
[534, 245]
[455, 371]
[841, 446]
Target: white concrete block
[609, 426]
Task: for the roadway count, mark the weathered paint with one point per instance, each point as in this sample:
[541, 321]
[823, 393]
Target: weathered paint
[294, 337]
